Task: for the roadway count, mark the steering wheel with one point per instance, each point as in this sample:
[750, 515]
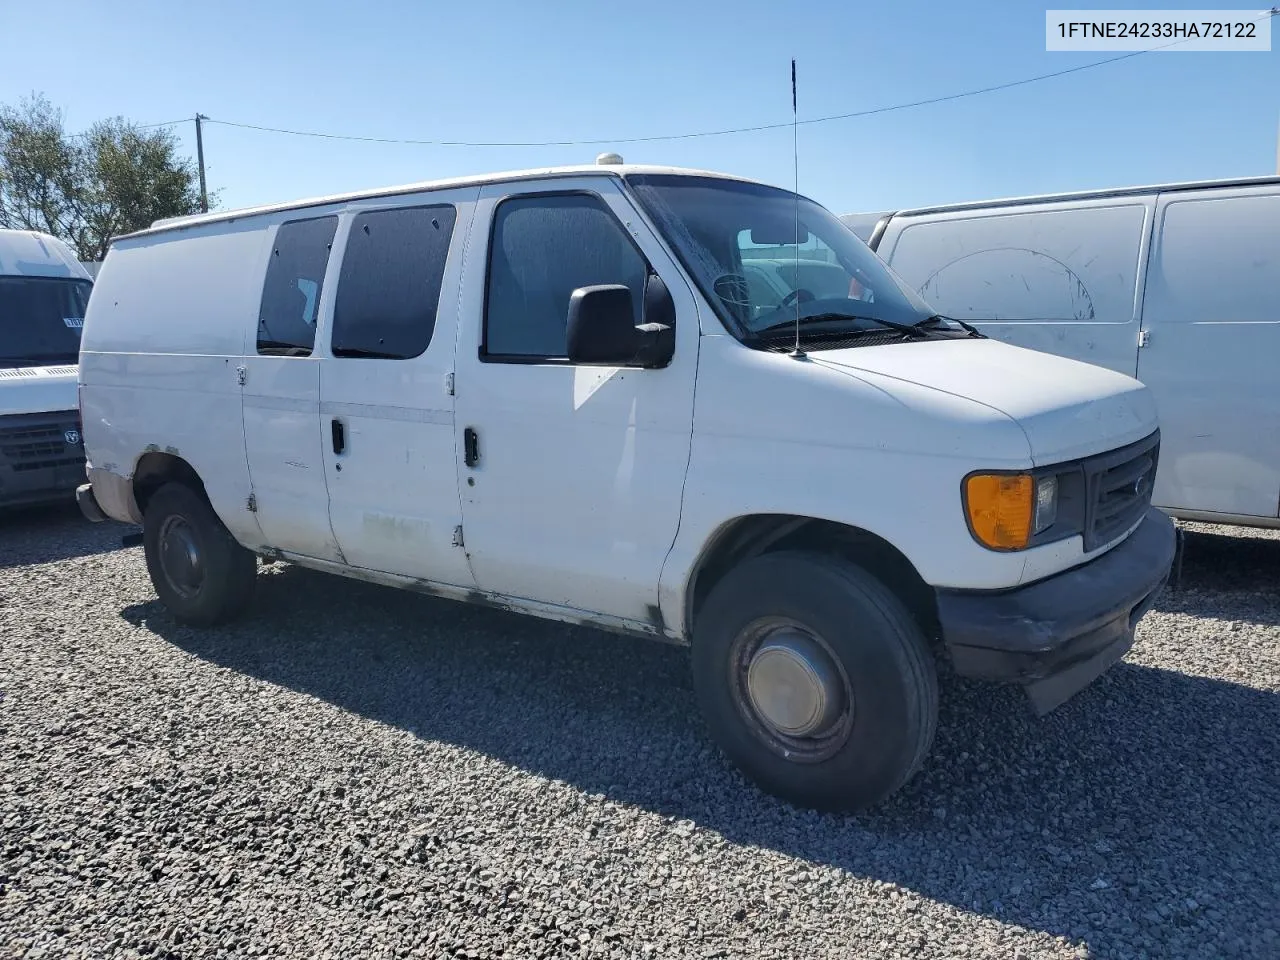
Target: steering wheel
[733, 290]
[798, 295]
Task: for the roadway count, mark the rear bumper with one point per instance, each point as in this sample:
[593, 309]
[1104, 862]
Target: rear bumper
[1058, 635]
[88, 504]
[41, 457]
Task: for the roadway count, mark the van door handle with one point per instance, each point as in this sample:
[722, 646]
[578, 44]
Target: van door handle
[339, 433]
[471, 447]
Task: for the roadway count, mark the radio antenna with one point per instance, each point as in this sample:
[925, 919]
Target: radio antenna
[795, 167]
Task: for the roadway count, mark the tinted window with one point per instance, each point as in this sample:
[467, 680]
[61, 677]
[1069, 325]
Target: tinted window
[1217, 260]
[544, 248]
[40, 320]
[291, 292]
[390, 282]
[1063, 266]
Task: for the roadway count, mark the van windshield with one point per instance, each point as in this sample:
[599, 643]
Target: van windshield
[738, 240]
[40, 320]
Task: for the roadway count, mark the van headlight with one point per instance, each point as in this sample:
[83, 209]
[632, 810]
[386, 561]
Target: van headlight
[1046, 508]
[1013, 511]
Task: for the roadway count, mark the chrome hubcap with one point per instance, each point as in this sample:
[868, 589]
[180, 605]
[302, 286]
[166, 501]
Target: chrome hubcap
[792, 690]
[793, 684]
[180, 556]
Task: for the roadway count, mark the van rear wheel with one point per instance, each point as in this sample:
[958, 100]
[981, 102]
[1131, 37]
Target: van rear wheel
[815, 680]
[198, 570]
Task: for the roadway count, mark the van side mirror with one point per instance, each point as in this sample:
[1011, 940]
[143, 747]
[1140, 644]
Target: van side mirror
[658, 329]
[601, 327]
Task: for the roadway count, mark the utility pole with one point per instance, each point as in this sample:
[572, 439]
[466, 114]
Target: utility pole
[204, 195]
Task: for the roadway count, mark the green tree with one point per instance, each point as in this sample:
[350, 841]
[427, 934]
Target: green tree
[87, 188]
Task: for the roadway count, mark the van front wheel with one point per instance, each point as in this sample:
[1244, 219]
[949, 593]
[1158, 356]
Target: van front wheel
[198, 570]
[815, 680]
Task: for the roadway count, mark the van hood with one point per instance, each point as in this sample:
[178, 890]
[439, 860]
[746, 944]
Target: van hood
[1067, 409]
[38, 390]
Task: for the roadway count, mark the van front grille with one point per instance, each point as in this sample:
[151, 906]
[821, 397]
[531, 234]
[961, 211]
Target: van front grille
[1119, 486]
[40, 441]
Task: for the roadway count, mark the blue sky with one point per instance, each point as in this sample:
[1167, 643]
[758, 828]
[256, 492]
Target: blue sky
[501, 70]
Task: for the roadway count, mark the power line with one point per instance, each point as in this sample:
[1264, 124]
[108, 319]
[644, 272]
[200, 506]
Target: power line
[706, 133]
[134, 126]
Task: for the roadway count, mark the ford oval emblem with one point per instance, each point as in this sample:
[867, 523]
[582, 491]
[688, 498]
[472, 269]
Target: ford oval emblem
[71, 436]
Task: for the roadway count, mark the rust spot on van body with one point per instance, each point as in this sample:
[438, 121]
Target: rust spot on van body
[655, 617]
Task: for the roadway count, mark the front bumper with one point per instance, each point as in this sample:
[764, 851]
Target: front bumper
[41, 457]
[1058, 635]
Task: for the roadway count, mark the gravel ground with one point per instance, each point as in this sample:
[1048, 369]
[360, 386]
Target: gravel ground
[357, 772]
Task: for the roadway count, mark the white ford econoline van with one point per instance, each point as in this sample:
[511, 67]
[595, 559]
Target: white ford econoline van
[560, 392]
[1178, 285]
[43, 294]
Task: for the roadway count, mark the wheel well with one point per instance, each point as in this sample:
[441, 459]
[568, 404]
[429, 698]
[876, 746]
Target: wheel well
[752, 536]
[154, 470]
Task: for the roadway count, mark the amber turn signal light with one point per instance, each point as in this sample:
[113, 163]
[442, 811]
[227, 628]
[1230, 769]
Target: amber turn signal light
[1000, 509]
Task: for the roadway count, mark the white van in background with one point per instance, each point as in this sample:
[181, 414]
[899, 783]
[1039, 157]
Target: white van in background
[560, 392]
[1178, 285]
[44, 293]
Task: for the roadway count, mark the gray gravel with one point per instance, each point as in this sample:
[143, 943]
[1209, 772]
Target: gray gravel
[356, 772]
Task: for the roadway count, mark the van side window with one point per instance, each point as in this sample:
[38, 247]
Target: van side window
[544, 247]
[389, 287]
[291, 291]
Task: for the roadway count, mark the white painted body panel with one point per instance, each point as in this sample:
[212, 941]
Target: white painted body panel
[576, 499]
[285, 452]
[597, 488]
[393, 494]
[1062, 278]
[1062, 406]
[851, 436]
[1212, 310]
[280, 406]
[1193, 272]
[164, 333]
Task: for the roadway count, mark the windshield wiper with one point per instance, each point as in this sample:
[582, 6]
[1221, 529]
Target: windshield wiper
[910, 330]
[967, 327]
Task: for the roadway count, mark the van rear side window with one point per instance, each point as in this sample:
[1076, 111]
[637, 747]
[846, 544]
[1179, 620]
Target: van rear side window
[389, 287]
[291, 291]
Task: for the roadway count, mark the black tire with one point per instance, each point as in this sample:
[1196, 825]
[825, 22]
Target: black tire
[886, 670]
[219, 584]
